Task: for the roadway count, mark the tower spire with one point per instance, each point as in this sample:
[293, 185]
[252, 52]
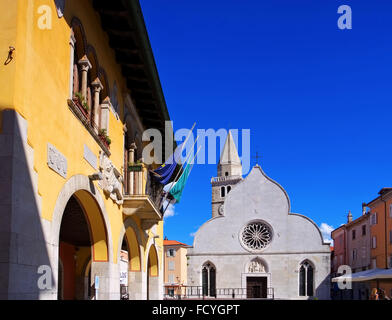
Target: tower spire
[229, 163]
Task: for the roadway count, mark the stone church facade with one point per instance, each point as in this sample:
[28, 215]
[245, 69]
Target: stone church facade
[254, 247]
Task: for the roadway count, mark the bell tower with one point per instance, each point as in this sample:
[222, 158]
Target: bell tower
[229, 174]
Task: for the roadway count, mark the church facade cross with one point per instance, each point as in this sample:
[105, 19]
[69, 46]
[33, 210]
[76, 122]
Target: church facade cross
[257, 157]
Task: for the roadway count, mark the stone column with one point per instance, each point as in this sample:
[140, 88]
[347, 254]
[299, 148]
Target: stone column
[131, 159]
[72, 42]
[105, 110]
[85, 64]
[109, 280]
[97, 87]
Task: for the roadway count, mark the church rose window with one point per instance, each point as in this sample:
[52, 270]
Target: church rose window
[256, 235]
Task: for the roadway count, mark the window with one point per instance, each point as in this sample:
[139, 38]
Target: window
[223, 192]
[364, 230]
[373, 220]
[170, 292]
[390, 236]
[228, 189]
[171, 266]
[374, 242]
[354, 254]
[374, 263]
[171, 253]
[226, 174]
[208, 280]
[306, 279]
[171, 278]
[390, 210]
[353, 234]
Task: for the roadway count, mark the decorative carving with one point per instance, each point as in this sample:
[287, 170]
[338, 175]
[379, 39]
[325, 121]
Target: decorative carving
[256, 266]
[112, 179]
[56, 161]
[90, 157]
[256, 236]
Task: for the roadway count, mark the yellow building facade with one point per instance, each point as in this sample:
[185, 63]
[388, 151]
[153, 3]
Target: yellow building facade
[78, 87]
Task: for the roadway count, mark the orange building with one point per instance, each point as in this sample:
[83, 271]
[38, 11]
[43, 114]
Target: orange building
[381, 236]
[175, 267]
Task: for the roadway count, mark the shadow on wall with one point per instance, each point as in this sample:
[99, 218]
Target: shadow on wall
[323, 291]
[23, 248]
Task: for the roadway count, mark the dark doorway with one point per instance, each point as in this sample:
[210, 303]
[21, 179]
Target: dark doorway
[74, 252]
[256, 287]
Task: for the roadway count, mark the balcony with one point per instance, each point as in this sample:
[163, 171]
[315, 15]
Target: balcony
[222, 180]
[142, 195]
[83, 114]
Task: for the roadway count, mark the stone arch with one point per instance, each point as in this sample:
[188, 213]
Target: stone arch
[80, 37]
[208, 279]
[102, 252]
[132, 234]
[89, 196]
[153, 261]
[102, 75]
[306, 278]
[154, 285]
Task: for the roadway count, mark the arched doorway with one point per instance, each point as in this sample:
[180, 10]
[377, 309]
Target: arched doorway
[208, 274]
[74, 251]
[82, 243]
[152, 275]
[130, 244]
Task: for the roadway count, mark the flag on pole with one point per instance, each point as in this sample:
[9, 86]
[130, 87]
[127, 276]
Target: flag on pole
[178, 188]
[164, 173]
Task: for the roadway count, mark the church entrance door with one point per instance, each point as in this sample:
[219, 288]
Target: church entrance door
[256, 287]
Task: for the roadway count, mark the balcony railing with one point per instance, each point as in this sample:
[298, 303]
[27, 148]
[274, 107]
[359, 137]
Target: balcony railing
[142, 194]
[84, 116]
[197, 292]
[223, 179]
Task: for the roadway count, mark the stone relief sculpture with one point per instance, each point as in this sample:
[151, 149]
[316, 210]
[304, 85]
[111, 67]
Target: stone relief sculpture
[112, 179]
[256, 266]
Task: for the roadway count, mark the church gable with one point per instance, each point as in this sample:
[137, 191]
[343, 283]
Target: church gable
[256, 219]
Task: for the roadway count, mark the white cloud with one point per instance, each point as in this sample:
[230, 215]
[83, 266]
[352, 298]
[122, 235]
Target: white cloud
[192, 234]
[326, 230]
[170, 211]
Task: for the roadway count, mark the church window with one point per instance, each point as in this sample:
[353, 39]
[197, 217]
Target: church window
[306, 279]
[223, 192]
[208, 280]
[256, 235]
[228, 189]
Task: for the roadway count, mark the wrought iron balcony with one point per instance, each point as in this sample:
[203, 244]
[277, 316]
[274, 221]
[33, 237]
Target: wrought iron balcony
[198, 292]
[142, 195]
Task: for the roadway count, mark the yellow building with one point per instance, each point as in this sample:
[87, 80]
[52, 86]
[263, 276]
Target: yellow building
[175, 267]
[78, 87]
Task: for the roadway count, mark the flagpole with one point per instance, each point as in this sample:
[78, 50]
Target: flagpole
[181, 169]
[188, 175]
[183, 144]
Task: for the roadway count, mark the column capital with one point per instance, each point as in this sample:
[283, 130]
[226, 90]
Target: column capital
[97, 85]
[105, 104]
[85, 63]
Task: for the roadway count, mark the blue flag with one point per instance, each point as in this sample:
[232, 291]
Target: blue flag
[164, 173]
[176, 191]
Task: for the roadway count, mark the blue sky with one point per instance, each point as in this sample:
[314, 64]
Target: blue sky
[317, 99]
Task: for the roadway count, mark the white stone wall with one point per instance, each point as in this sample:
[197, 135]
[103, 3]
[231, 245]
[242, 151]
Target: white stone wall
[295, 238]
